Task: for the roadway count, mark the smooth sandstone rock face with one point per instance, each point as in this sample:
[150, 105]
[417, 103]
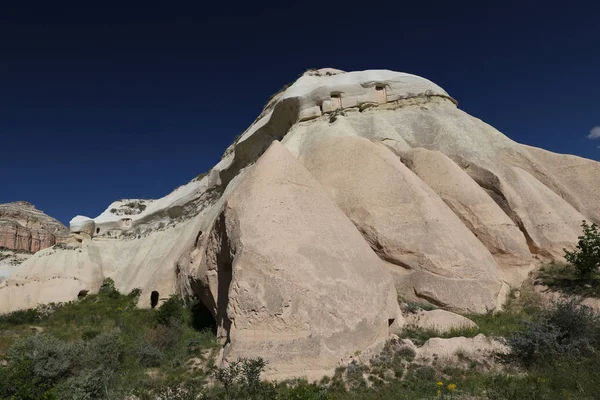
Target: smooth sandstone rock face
[23, 227]
[405, 222]
[477, 211]
[289, 275]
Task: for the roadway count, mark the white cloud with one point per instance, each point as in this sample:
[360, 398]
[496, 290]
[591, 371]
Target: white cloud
[594, 133]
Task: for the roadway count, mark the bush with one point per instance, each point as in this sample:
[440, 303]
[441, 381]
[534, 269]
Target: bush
[149, 355]
[568, 330]
[89, 334]
[586, 257]
[108, 289]
[164, 338]
[171, 311]
[105, 350]
[301, 390]
[20, 317]
[241, 379]
[90, 384]
[35, 365]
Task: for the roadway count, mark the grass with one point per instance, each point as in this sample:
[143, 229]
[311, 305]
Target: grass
[563, 278]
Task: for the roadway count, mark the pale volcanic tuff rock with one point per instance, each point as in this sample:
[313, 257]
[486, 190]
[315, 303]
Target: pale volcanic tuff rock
[23, 227]
[294, 256]
[302, 281]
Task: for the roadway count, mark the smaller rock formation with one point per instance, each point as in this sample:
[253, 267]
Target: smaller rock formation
[81, 224]
[481, 349]
[23, 227]
[441, 321]
[9, 260]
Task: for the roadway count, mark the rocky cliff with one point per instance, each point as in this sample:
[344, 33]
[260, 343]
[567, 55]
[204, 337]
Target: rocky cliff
[349, 189]
[23, 227]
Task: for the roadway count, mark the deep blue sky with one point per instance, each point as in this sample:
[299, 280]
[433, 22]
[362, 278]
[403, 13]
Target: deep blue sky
[101, 103]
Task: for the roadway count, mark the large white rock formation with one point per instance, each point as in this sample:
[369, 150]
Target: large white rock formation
[375, 178]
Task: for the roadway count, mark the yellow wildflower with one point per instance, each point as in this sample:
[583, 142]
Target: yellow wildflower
[451, 387]
[541, 380]
[440, 384]
[439, 393]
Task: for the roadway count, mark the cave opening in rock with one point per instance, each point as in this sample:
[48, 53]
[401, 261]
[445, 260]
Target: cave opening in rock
[203, 319]
[97, 230]
[153, 298]
[391, 321]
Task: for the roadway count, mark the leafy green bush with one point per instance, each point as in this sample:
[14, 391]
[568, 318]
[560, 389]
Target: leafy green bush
[171, 311]
[586, 257]
[108, 289]
[302, 390]
[20, 317]
[567, 330]
[241, 380]
[89, 384]
[149, 355]
[35, 365]
[105, 350]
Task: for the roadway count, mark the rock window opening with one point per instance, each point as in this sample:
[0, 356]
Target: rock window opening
[391, 321]
[153, 298]
[336, 100]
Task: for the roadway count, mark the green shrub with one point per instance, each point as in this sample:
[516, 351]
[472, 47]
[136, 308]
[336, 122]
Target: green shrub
[105, 350]
[34, 366]
[171, 311]
[90, 333]
[135, 294]
[406, 353]
[567, 330]
[20, 317]
[241, 379]
[165, 337]
[149, 355]
[301, 390]
[108, 289]
[586, 257]
[89, 384]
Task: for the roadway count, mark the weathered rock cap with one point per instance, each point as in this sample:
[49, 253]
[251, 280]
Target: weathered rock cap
[82, 224]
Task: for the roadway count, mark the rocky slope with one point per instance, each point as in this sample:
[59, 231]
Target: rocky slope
[23, 227]
[10, 260]
[374, 185]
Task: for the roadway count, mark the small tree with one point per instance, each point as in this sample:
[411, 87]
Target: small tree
[586, 257]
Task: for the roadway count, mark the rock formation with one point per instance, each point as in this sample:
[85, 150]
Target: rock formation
[10, 260]
[374, 185]
[23, 227]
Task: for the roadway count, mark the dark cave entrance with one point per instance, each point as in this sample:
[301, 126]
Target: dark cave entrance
[153, 298]
[203, 319]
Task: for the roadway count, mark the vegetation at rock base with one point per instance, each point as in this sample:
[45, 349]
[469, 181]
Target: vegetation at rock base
[103, 347]
[580, 276]
[586, 257]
